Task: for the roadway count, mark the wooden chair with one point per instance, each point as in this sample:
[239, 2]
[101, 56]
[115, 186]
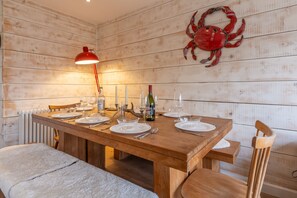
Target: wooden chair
[207, 183]
[59, 108]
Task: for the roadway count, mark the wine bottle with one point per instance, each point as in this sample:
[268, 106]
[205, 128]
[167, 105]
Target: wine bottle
[101, 101]
[150, 106]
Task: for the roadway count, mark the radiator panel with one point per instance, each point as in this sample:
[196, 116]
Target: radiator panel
[30, 132]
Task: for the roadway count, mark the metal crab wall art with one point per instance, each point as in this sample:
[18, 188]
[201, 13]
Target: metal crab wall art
[212, 38]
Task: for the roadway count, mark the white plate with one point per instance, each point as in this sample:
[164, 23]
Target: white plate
[66, 115]
[222, 144]
[130, 128]
[195, 126]
[88, 108]
[91, 120]
[175, 114]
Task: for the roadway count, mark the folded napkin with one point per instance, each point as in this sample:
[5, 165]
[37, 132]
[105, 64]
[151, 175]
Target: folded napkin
[222, 144]
[19, 163]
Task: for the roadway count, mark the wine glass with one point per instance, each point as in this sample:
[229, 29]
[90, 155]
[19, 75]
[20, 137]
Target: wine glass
[156, 105]
[142, 106]
[92, 101]
[179, 105]
[83, 104]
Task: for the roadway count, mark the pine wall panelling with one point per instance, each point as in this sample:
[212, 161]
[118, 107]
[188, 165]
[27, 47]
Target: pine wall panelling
[257, 80]
[39, 46]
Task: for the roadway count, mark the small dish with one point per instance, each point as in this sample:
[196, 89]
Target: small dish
[195, 126]
[87, 108]
[66, 115]
[130, 128]
[127, 120]
[175, 114]
[222, 144]
[92, 120]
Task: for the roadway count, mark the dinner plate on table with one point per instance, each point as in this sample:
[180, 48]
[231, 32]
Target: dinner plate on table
[175, 114]
[130, 128]
[87, 108]
[195, 126]
[67, 115]
[92, 120]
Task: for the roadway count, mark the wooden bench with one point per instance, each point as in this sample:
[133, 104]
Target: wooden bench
[210, 161]
[213, 158]
[37, 170]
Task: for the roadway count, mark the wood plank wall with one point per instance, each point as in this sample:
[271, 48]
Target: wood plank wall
[257, 80]
[39, 46]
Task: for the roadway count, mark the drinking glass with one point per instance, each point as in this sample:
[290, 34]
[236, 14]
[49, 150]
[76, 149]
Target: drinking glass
[179, 105]
[92, 101]
[156, 105]
[156, 102]
[83, 104]
[142, 105]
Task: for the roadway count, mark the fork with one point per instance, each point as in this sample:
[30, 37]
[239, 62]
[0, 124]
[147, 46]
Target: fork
[143, 135]
[101, 123]
[189, 132]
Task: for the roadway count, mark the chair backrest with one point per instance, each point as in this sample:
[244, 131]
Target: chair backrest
[60, 107]
[261, 143]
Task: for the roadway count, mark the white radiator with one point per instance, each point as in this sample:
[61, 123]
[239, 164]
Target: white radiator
[30, 132]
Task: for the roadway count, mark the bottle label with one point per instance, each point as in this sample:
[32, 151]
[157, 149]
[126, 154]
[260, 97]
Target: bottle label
[101, 104]
[150, 113]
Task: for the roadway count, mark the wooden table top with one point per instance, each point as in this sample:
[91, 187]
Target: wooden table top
[180, 150]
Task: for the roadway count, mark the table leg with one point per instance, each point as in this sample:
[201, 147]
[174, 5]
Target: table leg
[61, 141]
[167, 181]
[120, 155]
[96, 154]
[87, 151]
[211, 164]
[75, 146]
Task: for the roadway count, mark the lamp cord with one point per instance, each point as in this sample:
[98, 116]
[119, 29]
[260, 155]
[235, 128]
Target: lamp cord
[96, 78]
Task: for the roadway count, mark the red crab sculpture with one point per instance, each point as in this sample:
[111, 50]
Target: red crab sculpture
[212, 38]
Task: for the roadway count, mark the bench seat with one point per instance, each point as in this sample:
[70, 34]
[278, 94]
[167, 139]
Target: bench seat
[228, 155]
[66, 176]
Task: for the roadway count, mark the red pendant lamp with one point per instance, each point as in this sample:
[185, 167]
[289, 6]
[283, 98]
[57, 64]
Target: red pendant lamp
[88, 57]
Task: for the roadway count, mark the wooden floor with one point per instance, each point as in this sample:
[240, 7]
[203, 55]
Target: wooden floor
[137, 170]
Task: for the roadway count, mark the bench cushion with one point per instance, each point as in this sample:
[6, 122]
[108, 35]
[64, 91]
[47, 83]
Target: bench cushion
[37, 170]
[80, 180]
[25, 162]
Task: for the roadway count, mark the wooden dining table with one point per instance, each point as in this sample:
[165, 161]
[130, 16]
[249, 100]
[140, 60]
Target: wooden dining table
[174, 153]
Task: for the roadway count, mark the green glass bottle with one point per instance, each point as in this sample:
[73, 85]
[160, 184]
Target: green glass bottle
[150, 106]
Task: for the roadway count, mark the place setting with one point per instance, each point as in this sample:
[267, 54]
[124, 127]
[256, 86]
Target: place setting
[130, 125]
[92, 121]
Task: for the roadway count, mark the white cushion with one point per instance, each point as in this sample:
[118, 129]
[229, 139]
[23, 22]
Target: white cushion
[80, 180]
[25, 162]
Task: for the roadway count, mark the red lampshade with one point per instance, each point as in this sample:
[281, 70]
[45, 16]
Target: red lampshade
[86, 57]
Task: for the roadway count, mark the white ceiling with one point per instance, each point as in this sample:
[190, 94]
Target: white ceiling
[96, 11]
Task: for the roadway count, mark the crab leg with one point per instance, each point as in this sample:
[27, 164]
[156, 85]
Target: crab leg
[192, 22]
[233, 19]
[239, 31]
[202, 19]
[212, 53]
[218, 54]
[191, 35]
[191, 45]
[229, 45]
